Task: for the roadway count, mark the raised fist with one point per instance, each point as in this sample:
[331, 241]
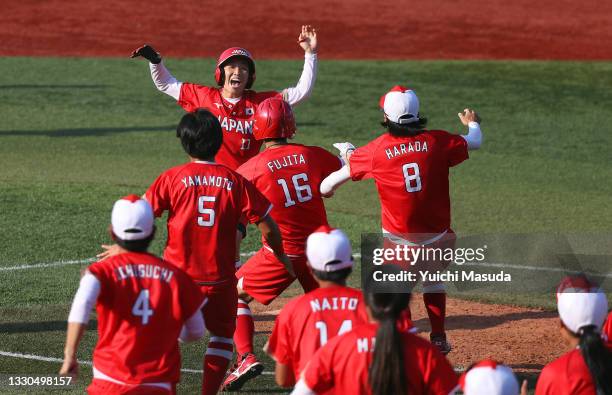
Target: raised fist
[147, 52]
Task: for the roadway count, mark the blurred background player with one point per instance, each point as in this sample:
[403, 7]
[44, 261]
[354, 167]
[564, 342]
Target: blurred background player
[288, 175]
[233, 101]
[307, 322]
[489, 377]
[587, 367]
[410, 166]
[401, 363]
[205, 202]
[142, 303]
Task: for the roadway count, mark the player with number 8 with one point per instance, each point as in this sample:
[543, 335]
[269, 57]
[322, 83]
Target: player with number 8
[410, 167]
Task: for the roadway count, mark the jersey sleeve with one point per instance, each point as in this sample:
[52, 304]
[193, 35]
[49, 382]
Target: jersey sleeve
[255, 206]
[190, 96]
[158, 195]
[261, 96]
[545, 384]
[361, 162]
[278, 344]
[104, 277]
[456, 148]
[606, 331]
[329, 162]
[318, 374]
[441, 378]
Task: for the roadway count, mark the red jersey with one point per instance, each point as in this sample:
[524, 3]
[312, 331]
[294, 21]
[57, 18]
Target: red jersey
[606, 331]
[236, 120]
[567, 375]
[142, 306]
[290, 176]
[205, 202]
[344, 362]
[411, 175]
[307, 322]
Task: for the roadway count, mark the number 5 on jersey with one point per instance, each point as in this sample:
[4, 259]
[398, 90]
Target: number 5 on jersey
[208, 218]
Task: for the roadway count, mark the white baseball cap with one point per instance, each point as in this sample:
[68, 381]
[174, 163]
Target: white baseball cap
[581, 303]
[400, 105]
[489, 377]
[329, 250]
[132, 218]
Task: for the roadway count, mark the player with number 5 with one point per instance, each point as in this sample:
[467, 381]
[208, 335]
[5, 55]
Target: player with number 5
[410, 166]
[205, 202]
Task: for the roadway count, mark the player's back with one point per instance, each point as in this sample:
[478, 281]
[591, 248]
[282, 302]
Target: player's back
[411, 175]
[308, 322]
[205, 202]
[142, 305]
[289, 176]
[343, 364]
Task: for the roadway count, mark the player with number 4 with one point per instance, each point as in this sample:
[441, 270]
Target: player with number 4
[142, 303]
[289, 176]
[410, 166]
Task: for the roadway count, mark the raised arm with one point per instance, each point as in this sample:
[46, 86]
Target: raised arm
[308, 41]
[471, 119]
[163, 80]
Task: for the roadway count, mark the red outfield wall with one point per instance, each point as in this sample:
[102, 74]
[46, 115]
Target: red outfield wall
[348, 29]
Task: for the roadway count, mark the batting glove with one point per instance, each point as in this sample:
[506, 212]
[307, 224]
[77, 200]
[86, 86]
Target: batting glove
[147, 52]
[345, 149]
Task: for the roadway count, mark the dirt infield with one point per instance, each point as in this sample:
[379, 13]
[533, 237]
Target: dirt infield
[524, 339]
[349, 29]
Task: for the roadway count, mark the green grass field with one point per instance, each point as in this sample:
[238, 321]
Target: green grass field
[76, 134]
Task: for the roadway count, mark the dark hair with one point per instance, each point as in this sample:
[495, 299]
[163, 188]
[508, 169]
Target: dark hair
[386, 374]
[200, 134]
[597, 358]
[338, 276]
[135, 245]
[408, 129]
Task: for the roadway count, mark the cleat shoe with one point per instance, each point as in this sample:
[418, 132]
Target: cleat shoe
[441, 343]
[246, 367]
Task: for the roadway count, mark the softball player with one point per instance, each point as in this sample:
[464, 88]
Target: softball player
[142, 303]
[308, 322]
[400, 363]
[232, 101]
[587, 367]
[288, 175]
[410, 166]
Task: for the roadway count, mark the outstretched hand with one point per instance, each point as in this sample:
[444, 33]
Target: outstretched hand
[308, 39]
[469, 115]
[147, 52]
[70, 367]
[109, 250]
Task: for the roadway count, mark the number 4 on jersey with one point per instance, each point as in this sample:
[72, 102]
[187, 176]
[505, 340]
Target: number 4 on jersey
[141, 307]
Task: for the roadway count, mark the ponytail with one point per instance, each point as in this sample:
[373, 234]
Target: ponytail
[597, 358]
[386, 374]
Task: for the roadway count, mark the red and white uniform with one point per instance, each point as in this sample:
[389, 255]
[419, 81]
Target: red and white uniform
[343, 363]
[567, 375]
[142, 305]
[606, 331]
[288, 176]
[236, 119]
[308, 322]
[411, 175]
[205, 202]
